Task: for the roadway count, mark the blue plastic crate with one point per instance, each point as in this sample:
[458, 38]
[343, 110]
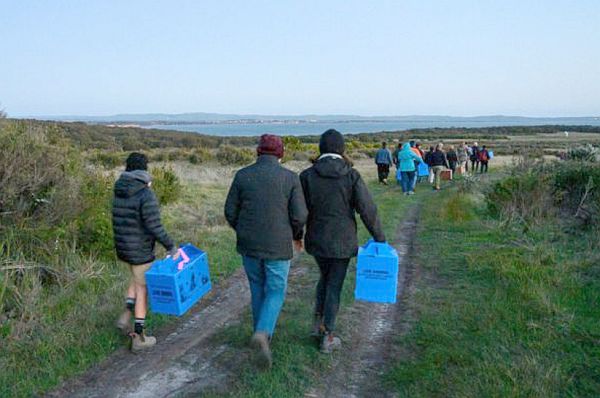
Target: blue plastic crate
[423, 170]
[173, 291]
[377, 273]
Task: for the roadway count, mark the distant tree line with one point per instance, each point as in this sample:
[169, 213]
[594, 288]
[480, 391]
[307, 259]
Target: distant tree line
[92, 136]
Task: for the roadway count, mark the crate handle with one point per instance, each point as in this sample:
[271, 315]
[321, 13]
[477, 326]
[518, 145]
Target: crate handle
[185, 258]
[376, 248]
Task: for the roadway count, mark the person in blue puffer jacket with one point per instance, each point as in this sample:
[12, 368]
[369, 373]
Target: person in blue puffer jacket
[407, 159]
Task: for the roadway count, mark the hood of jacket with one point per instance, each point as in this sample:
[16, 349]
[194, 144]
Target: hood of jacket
[406, 147]
[332, 167]
[131, 182]
[406, 151]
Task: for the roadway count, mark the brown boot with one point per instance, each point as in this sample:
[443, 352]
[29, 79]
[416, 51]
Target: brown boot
[124, 323]
[141, 342]
[260, 342]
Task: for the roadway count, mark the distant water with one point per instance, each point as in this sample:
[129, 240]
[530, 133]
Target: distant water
[312, 128]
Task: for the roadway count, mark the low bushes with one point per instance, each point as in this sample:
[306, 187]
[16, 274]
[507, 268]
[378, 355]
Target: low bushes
[166, 184]
[230, 155]
[567, 189]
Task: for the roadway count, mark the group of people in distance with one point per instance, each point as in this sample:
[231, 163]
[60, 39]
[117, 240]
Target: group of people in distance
[275, 213]
[409, 155]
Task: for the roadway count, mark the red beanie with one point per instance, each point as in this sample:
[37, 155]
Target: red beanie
[270, 145]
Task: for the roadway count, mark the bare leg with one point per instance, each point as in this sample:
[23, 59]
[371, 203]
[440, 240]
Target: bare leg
[131, 289]
[141, 303]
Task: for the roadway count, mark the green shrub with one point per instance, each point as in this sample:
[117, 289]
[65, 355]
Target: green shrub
[230, 155]
[526, 197]
[165, 184]
[109, 159]
[95, 233]
[587, 153]
[38, 176]
[200, 155]
[577, 186]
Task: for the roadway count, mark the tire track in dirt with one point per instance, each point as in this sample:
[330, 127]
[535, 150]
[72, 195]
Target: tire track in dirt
[369, 346]
[185, 359]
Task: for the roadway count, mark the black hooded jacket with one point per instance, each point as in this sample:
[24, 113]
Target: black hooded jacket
[136, 219]
[334, 192]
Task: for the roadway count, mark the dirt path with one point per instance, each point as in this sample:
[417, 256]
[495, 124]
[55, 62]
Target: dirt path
[187, 360]
[370, 347]
[192, 361]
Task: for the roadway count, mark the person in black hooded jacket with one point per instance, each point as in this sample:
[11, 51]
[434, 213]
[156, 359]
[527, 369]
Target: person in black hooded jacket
[137, 226]
[334, 192]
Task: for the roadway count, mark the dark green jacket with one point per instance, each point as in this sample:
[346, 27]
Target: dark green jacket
[266, 208]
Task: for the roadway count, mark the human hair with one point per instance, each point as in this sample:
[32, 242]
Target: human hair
[439, 146]
[136, 161]
[384, 144]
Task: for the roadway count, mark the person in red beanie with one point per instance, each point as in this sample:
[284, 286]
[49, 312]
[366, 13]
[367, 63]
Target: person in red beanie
[265, 206]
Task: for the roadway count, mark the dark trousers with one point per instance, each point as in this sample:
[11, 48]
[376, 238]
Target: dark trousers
[474, 165]
[484, 165]
[383, 170]
[333, 273]
[452, 166]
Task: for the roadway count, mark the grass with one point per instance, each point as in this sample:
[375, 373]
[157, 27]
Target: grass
[296, 357]
[499, 312]
[69, 327]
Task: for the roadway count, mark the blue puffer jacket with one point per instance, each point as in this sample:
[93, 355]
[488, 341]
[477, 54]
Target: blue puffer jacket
[407, 158]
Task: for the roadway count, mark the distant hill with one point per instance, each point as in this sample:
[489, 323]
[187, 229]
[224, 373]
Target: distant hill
[201, 117]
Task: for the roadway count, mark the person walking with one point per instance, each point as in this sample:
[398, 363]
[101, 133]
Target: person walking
[408, 161]
[427, 160]
[469, 152]
[136, 227]
[334, 192]
[417, 152]
[474, 157]
[438, 162]
[484, 158]
[452, 158]
[265, 206]
[383, 160]
[462, 156]
[421, 153]
[395, 155]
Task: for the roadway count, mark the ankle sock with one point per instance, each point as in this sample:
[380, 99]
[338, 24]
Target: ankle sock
[130, 304]
[139, 325]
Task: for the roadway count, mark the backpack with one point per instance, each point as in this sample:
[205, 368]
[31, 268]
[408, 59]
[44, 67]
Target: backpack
[483, 156]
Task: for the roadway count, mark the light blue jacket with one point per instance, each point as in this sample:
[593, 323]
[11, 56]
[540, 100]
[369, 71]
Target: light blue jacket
[407, 158]
[383, 156]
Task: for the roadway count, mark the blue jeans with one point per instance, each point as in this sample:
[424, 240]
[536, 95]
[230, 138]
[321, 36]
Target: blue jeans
[268, 284]
[407, 180]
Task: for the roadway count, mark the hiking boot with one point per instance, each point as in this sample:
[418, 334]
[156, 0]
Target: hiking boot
[318, 328]
[260, 342]
[411, 193]
[141, 342]
[330, 343]
[124, 323]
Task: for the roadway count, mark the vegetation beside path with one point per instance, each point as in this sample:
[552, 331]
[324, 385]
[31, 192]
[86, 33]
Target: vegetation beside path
[502, 308]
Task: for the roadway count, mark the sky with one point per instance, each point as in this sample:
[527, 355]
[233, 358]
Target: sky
[454, 57]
